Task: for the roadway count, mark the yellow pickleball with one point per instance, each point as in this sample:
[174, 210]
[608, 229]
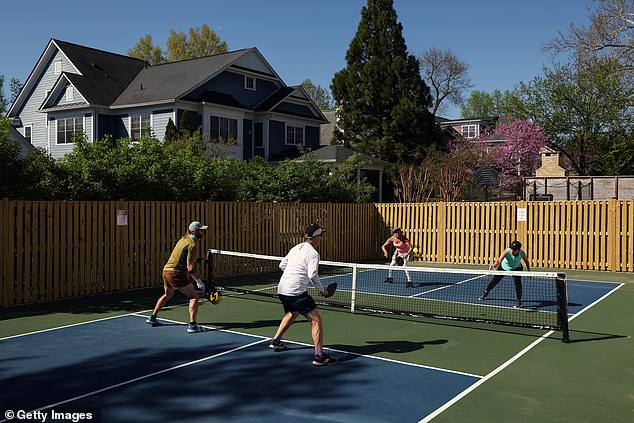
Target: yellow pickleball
[415, 250]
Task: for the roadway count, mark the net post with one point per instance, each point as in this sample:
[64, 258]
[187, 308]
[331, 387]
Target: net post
[354, 289]
[562, 306]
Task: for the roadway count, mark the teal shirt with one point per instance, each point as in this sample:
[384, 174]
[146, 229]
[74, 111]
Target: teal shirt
[512, 262]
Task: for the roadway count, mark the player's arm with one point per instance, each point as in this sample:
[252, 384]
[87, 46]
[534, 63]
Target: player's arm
[528, 266]
[284, 262]
[497, 262]
[384, 246]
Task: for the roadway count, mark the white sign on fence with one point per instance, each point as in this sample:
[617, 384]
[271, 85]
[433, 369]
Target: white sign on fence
[521, 215]
[122, 217]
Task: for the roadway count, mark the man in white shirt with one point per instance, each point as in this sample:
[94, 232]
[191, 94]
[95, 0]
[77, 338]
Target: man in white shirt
[301, 266]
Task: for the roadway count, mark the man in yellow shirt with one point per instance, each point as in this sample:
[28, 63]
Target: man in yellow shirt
[177, 275]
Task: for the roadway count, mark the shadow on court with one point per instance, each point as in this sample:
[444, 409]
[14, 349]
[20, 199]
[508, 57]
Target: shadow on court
[373, 347]
[254, 384]
[582, 336]
[103, 303]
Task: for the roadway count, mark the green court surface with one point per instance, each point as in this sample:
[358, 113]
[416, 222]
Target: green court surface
[590, 379]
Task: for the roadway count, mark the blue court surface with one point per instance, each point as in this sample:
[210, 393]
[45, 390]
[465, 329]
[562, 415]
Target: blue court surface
[125, 371]
[538, 295]
[122, 370]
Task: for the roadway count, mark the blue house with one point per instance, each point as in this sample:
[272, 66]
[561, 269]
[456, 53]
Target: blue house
[235, 96]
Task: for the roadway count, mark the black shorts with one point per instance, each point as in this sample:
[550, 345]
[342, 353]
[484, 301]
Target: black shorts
[303, 303]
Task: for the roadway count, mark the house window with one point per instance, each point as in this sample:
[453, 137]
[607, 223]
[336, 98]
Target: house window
[138, 124]
[249, 82]
[67, 127]
[27, 133]
[223, 129]
[58, 67]
[69, 93]
[294, 135]
[469, 131]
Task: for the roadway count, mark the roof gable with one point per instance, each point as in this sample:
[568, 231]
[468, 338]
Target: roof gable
[171, 81]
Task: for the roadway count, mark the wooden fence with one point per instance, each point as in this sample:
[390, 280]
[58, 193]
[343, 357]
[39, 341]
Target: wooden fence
[57, 250]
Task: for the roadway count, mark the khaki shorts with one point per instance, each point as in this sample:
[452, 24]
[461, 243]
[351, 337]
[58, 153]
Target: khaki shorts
[176, 279]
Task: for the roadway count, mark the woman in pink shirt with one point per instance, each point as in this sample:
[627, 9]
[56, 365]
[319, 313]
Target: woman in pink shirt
[402, 248]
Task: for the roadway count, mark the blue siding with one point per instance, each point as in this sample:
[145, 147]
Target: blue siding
[77, 97]
[247, 139]
[159, 122]
[311, 136]
[277, 137]
[233, 84]
[29, 114]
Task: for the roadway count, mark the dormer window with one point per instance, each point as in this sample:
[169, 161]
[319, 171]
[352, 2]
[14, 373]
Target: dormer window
[249, 82]
[468, 131]
[69, 93]
[58, 67]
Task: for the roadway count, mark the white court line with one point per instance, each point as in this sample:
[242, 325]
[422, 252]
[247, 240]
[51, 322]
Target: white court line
[135, 313]
[136, 379]
[326, 347]
[448, 286]
[458, 397]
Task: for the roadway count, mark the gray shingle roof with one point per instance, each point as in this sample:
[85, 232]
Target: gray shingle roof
[105, 74]
[172, 80]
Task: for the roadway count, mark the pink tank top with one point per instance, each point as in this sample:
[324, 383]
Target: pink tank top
[401, 246]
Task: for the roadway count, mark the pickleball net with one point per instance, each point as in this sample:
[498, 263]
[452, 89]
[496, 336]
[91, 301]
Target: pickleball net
[415, 291]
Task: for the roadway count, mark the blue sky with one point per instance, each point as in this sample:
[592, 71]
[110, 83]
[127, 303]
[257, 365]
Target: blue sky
[501, 40]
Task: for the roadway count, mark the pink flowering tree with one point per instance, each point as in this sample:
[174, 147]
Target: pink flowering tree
[519, 155]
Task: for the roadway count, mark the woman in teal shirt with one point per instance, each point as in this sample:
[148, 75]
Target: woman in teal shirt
[511, 261]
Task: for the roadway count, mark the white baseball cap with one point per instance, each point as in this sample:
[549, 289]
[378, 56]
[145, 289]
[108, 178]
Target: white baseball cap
[195, 225]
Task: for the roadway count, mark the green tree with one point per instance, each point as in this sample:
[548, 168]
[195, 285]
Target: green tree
[481, 104]
[15, 86]
[171, 133]
[199, 42]
[383, 102]
[579, 106]
[4, 104]
[185, 127]
[146, 50]
[320, 95]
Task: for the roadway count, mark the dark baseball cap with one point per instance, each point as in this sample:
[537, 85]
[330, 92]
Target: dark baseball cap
[314, 230]
[516, 245]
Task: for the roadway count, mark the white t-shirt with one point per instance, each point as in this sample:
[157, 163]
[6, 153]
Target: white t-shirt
[300, 266]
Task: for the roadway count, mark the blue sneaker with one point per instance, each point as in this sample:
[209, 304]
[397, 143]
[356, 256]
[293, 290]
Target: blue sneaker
[195, 328]
[152, 322]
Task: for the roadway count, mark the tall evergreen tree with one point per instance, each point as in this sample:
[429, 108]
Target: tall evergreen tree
[383, 101]
[171, 133]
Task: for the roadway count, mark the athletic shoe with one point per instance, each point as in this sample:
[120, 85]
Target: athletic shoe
[324, 360]
[152, 322]
[409, 285]
[518, 304]
[484, 295]
[195, 328]
[277, 345]
[388, 280]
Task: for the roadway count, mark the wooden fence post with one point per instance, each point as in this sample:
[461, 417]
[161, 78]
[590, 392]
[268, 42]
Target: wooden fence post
[441, 238]
[5, 254]
[614, 238]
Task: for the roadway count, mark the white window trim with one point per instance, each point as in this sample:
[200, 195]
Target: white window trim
[475, 131]
[57, 124]
[286, 125]
[30, 125]
[139, 116]
[246, 77]
[58, 67]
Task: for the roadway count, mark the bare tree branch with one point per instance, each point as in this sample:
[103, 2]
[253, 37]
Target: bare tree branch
[447, 75]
